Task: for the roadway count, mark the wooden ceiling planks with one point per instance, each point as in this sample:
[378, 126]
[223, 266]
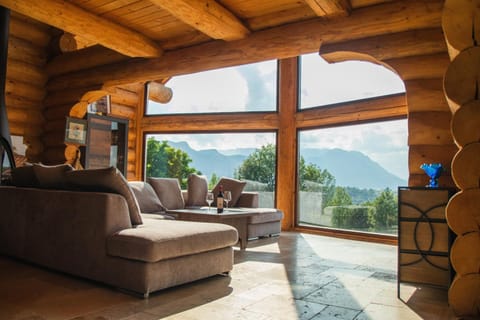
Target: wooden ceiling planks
[247, 9]
[280, 17]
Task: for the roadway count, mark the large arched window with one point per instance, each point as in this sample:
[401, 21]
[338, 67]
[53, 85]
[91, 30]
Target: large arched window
[349, 173]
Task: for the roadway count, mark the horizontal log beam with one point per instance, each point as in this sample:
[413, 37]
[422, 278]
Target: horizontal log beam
[82, 59]
[419, 154]
[392, 107]
[206, 123]
[432, 66]
[73, 19]
[208, 16]
[431, 128]
[25, 50]
[426, 95]
[389, 46]
[275, 43]
[25, 28]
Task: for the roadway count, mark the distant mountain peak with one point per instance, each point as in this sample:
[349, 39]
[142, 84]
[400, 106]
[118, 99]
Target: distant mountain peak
[349, 167]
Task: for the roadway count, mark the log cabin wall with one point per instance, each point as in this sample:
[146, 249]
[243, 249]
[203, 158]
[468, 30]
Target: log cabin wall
[124, 103]
[26, 80]
[418, 56]
[39, 115]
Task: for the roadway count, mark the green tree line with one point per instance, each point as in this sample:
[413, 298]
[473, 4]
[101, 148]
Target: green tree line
[260, 166]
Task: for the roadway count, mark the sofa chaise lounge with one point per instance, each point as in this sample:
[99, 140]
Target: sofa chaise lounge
[97, 234]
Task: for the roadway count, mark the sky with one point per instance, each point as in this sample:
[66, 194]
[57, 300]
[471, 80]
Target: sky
[253, 88]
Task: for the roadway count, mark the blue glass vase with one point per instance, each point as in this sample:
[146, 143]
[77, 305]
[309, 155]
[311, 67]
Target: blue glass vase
[433, 170]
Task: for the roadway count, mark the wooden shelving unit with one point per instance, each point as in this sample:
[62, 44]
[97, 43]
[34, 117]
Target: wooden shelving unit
[106, 142]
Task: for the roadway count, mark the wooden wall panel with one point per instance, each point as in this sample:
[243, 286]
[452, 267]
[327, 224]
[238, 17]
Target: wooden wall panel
[25, 82]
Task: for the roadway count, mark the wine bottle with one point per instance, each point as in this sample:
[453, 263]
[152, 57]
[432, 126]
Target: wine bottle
[220, 199]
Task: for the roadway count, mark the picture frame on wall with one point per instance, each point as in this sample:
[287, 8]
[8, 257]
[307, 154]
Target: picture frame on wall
[76, 131]
[101, 107]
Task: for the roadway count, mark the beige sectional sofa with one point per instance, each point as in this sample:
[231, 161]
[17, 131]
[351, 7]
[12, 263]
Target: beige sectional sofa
[160, 194]
[97, 234]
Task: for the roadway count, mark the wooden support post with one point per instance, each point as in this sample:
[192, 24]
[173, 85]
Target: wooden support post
[287, 141]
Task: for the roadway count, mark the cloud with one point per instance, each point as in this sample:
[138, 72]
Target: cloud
[221, 141]
[250, 87]
[324, 83]
[384, 142]
[262, 85]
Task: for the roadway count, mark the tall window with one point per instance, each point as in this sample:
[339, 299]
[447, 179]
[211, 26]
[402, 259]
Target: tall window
[323, 84]
[348, 174]
[247, 88]
[246, 156]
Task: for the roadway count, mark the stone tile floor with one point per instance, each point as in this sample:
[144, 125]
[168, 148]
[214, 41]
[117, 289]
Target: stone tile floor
[294, 276]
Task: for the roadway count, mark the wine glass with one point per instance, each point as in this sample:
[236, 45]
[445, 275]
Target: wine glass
[227, 196]
[209, 200]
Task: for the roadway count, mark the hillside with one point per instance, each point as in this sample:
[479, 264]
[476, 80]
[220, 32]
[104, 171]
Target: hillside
[350, 168]
[353, 169]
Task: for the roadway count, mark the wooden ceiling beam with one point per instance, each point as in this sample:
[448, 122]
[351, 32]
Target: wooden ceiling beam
[330, 8]
[207, 16]
[76, 20]
[275, 43]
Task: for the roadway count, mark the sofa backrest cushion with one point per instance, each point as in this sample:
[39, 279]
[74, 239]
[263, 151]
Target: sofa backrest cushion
[197, 187]
[147, 199]
[51, 177]
[168, 191]
[233, 185]
[24, 177]
[106, 180]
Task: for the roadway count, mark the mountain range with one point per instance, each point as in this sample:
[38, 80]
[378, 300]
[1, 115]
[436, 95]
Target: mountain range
[350, 168]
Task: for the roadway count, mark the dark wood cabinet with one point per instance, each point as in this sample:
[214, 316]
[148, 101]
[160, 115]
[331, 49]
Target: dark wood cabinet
[107, 143]
[424, 238]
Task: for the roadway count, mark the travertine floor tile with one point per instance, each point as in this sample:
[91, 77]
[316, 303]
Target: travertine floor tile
[294, 276]
[336, 313]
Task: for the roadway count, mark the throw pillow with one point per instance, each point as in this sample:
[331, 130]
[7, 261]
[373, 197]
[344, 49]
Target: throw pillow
[168, 191]
[197, 190]
[51, 177]
[233, 185]
[106, 180]
[146, 197]
[24, 177]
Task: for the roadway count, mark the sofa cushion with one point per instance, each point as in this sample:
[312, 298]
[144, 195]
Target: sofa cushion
[197, 190]
[146, 197]
[51, 177]
[159, 240]
[106, 180]
[233, 185]
[168, 191]
[24, 177]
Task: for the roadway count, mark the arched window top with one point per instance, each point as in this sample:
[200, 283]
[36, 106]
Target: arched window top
[324, 84]
[246, 88]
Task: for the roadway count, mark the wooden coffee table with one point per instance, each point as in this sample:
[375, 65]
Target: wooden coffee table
[235, 217]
